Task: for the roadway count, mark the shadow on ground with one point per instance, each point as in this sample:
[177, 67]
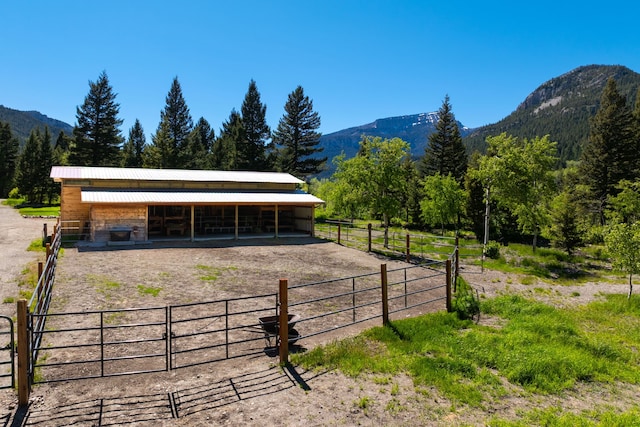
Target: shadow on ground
[128, 409]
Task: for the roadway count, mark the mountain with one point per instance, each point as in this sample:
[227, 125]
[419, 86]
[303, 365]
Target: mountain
[414, 129]
[561, 108]
[23, 121]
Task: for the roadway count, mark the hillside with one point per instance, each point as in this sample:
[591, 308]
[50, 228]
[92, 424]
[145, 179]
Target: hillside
[561, 107]
[415, 129]
[22, 122]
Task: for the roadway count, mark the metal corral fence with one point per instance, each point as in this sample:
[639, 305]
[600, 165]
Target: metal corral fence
[105, 343]
[129, 341]
[413, 247]
[7, 351]
[339, 303]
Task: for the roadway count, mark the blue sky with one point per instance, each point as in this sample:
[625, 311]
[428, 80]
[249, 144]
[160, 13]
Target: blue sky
[357, 60]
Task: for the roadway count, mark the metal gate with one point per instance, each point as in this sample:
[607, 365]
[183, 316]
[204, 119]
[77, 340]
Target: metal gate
[7, 351]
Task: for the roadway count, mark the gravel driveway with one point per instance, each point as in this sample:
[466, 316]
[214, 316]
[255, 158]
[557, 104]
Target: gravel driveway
[16, 233]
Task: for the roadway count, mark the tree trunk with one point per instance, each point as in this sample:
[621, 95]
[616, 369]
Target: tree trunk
[535, 242]
[630, 286]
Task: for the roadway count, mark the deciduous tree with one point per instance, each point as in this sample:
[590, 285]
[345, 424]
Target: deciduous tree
[623, 245]
[443, 201]
[373, 180]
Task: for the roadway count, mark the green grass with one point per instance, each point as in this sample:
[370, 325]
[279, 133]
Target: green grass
[45, 211]
[213, 273]
[540, 348]
[149, 290]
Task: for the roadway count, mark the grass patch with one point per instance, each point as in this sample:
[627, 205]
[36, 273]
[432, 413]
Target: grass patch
[104, 285]
[44, 211]
[213, 273]
[8, 300]
[148, 290]
[540, 348]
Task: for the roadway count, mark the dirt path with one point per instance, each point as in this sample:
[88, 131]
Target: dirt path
[16, 233]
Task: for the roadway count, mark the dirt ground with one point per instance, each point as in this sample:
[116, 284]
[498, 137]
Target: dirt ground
[255, 390]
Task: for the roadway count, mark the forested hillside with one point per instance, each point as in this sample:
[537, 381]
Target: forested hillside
[561, 108]
[22, 122]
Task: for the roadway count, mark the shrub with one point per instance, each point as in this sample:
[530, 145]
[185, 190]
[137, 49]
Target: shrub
[492, 250]
[465, 304]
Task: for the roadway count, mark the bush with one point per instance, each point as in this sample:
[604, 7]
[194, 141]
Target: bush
[492, 250]
[465, 304]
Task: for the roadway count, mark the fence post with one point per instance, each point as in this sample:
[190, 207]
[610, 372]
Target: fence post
[369, 230]
[457, 265]
[339, 230]
[408, 248]
[385, 294]
[23, 353]
[448, 274]
[283, 321]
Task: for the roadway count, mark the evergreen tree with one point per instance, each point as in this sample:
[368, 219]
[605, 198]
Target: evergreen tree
[252, 150]
[44, 163]
[172, 136]
[297, 139]
[611, 153]
[27, 171]
[134, 147]
[200, 144]
[445, 154]
[9, 147]
[97, 137]
[225, 148]
[161, 154]
[61, 150]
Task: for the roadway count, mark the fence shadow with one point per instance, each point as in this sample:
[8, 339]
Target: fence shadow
[143, 408]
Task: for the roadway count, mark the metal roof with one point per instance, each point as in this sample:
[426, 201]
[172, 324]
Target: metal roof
[59, 173]
[197, 197]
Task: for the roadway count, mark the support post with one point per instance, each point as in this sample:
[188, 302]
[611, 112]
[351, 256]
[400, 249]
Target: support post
[23, 353]
[448, 287]
[283, 321]
[385, 294]
[339, 231]
[408, 248]
[456, 272]
[369, 230]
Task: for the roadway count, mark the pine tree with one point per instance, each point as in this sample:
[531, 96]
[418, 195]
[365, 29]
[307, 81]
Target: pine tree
[97, 137]
[172, 136]
[252, 150]
[445, 154]
[200, 143]
[9, 147]
[611, 153]
[134, 147]
[44, 163]
[297, 139]
[225, 148]
[27, 171]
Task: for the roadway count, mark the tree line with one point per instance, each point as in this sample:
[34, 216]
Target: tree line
[245, 141]
[513, 192]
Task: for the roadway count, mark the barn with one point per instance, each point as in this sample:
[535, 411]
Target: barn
[133, 205]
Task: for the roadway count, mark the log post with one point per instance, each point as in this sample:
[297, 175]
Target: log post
[385, 294]
[283, 322]
[369, 230]
[339, 231]
[23, 353]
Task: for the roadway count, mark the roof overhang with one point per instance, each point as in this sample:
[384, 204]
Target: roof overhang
[198, 197]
